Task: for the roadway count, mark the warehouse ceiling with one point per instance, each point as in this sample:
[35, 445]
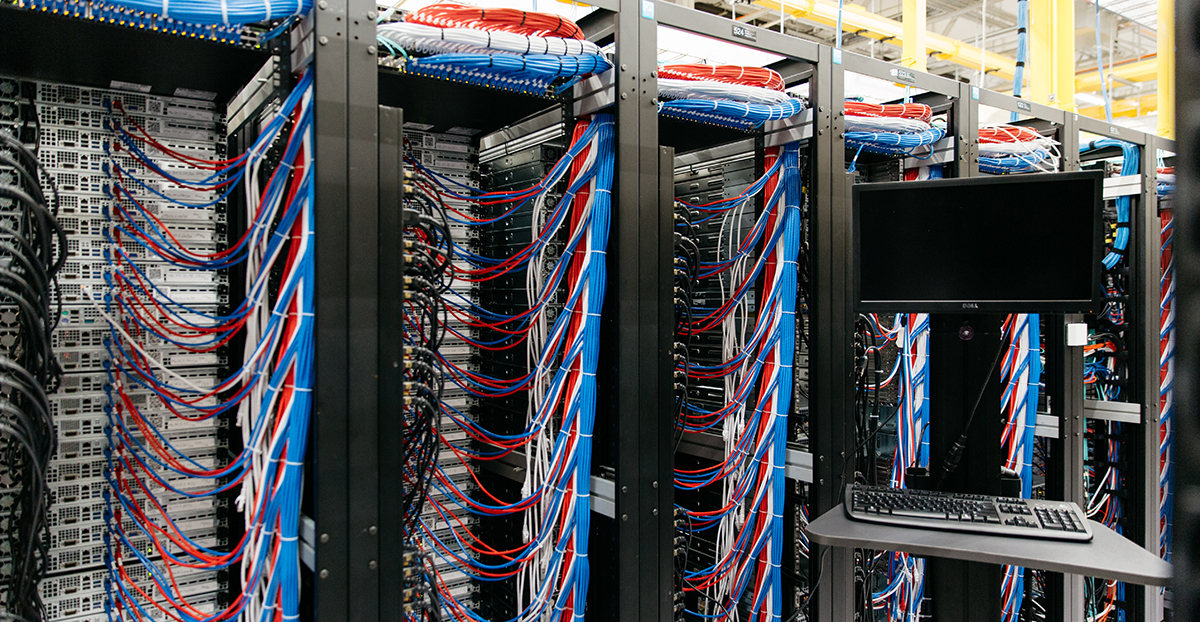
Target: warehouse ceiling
[1127, 37]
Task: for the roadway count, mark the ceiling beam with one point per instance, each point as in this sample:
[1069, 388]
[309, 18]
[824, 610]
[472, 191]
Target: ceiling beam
[858, 19]
[1139, 70]
[1128, 107]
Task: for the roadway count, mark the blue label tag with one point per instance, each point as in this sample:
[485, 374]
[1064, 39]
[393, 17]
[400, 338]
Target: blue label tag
[648, 9]
[837, 56]
[974, 92]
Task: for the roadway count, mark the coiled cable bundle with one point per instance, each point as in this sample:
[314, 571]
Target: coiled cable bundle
[527, 52]
[1007, 148]
[726, 95]
[895, 129]
[33, 249]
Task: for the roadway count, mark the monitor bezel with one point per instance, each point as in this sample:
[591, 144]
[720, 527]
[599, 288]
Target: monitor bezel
[1094, 305]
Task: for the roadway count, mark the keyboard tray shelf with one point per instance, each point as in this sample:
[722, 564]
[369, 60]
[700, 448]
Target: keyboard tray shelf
[1108, 555]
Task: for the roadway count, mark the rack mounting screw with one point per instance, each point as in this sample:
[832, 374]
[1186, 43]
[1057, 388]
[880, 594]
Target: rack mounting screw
[624, 489]
[654, 483]
[654, 511]
[323, 40]
[624, 67]
[372, 15]
[624, 95]
[324, 537]
[371, 50]
[625, 517]
[372, 564]
[324, 573]
[373, 530]
[653, 74]
[323, 5]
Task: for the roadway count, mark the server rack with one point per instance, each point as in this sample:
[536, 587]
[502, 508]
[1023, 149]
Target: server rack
[696, 145]
[48, 46]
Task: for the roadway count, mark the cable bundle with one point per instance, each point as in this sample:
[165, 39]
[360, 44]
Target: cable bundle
[1166, 181]
[1166, 362]
[761, 77]
[905, 579]
[695, 89]
[757, 372]
[1130, 155]
[526, 52]
[918, 112]
[30, 257]
[183, 13]
[1007, 148]
[897, 129]
[549, 570]
[428, 247]
[414, 37]
[269, 396]
[496, 20]
[726, 95]
[1106, 373]
[1020, 374]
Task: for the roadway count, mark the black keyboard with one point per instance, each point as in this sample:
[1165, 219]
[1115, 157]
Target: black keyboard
[1000, 516]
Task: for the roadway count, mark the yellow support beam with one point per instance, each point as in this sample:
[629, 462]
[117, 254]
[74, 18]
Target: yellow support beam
[914, 50]
[1041, 51]
[1140, 70]
[1131, 107]
[858, 20]
[1064, 54]
[1166, 68]
[1052, 53]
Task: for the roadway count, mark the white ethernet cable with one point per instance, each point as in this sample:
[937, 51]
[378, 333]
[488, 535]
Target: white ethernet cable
[433, 40]
[718, 91]
[895, 125]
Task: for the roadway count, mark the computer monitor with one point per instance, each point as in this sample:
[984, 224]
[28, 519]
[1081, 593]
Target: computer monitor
[1013, 244]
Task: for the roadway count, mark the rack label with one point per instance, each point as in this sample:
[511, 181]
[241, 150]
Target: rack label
[904, 74]
[1024, 105]
[742, 32]
[648, 9]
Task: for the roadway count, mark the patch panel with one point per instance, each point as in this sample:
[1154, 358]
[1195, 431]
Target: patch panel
[104, 12]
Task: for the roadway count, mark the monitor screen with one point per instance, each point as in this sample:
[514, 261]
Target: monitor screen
[1026, 243]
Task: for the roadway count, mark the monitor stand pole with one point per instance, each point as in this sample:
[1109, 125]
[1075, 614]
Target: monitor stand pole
[962, 348]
